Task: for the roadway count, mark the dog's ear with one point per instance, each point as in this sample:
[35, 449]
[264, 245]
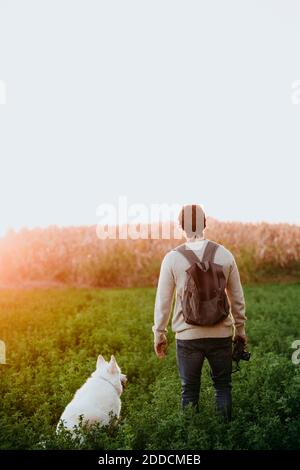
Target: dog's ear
[112, 366]
[100, 361]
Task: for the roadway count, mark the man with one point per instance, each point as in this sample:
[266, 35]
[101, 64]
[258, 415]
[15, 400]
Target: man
[194, 343]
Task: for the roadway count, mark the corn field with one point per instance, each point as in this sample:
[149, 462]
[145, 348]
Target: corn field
[75, 256]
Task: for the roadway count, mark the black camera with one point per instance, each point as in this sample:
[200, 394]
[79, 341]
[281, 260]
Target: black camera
[239, 352]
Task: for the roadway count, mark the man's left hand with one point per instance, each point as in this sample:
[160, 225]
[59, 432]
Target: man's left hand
[160, 349]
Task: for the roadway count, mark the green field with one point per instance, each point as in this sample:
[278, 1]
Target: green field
[53, 338]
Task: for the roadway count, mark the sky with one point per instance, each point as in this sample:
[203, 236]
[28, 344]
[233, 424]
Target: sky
[158, 102]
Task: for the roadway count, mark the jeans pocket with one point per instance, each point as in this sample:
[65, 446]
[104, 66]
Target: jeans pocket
[185, 348]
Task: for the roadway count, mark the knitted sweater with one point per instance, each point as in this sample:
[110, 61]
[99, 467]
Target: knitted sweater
[172, 277]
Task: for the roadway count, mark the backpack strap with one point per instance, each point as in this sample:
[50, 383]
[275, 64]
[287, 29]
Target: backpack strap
[209, 252]
[208, 257]
[190, 255]
[217, 271]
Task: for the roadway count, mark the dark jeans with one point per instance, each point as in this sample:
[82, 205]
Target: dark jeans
[190, 357]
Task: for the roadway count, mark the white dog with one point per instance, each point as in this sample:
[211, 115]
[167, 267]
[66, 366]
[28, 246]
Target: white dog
[98, 399]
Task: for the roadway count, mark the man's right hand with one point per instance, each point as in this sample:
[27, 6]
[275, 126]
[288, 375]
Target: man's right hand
[160, 349]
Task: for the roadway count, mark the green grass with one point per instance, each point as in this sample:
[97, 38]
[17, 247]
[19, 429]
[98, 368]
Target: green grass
[53, 338]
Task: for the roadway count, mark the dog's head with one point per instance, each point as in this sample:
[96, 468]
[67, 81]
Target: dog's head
[111, 372]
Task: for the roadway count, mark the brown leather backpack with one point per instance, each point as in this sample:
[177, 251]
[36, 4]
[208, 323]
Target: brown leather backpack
[204, 300]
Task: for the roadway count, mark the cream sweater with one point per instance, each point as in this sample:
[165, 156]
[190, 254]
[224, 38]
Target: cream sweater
[172, 275]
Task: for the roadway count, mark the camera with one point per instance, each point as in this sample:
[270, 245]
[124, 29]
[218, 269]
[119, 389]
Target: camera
[239, 352]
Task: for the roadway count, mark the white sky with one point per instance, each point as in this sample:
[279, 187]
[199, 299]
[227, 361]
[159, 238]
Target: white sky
[160, 101]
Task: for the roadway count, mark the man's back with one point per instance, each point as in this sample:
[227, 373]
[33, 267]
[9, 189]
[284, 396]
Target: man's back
[173, 275]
